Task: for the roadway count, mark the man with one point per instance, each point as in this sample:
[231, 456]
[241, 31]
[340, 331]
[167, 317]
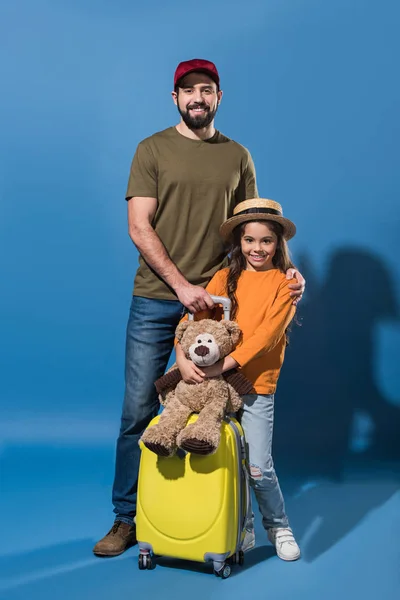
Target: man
[184, 182]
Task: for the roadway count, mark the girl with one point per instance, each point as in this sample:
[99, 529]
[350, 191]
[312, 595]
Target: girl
[256, 284]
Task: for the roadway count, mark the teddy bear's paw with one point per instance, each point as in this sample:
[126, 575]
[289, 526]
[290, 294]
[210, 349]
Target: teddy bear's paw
[195, 442]
[196, 446]
[153, 440]
[159, 449]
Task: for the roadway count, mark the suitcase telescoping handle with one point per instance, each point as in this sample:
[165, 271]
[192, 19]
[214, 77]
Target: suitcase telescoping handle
[226, 305]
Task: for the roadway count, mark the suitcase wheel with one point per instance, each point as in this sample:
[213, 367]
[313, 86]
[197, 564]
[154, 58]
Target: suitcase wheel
[224, 571]
[146, 561]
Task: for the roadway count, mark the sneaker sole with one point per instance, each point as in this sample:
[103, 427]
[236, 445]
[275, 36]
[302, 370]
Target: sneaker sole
[287, 559]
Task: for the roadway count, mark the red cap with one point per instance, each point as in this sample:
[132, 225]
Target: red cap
[199, 65]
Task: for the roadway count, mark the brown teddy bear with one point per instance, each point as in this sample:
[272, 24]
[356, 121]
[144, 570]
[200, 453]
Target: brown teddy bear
[204, 342]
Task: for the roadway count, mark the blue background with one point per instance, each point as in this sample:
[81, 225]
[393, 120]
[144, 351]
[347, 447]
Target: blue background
[312, 89]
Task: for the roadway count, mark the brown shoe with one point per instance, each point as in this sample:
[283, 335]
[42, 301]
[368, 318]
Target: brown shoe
[120, 537]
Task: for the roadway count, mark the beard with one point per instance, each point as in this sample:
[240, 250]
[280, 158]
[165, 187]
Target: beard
[200, 121]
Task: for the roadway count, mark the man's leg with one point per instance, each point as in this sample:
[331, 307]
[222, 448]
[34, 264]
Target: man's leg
[149, 342]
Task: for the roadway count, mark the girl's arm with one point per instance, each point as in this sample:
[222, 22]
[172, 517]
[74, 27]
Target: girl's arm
[271, 330]
[264, 338]
[190, 372]
[226, 364]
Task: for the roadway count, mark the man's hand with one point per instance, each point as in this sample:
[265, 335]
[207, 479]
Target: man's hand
[298, 287]
[189, 371]
[194, 297]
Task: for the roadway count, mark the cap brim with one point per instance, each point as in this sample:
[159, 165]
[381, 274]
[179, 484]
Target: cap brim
[226, 229]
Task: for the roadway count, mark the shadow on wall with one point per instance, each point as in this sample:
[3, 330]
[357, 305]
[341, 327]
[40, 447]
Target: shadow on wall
[342, 474]
[327, 379]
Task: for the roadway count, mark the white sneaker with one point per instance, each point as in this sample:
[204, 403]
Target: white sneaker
[249, 541]
[284, 542]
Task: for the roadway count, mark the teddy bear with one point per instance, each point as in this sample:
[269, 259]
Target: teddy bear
[204, 342]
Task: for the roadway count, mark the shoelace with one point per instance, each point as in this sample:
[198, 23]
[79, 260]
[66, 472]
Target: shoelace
[115, 527]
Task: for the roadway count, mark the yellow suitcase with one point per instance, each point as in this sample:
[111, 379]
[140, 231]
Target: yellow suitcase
[194, 507]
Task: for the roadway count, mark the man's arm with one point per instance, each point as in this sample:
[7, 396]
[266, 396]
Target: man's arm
[141, 212]
[247, 187]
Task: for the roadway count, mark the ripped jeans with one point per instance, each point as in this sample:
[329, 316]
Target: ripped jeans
[257, 419]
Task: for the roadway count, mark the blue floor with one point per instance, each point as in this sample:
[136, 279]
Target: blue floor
[55, 504]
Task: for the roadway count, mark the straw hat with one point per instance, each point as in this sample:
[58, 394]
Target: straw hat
[259, 209]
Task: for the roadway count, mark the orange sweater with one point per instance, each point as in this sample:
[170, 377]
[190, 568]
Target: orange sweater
[265, 310]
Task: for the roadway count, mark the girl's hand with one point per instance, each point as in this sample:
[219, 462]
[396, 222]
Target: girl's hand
[189, 371]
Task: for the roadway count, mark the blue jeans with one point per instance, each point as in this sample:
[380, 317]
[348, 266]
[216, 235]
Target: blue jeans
[149, 343]
[257, 419]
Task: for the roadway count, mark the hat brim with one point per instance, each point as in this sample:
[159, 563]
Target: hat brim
[226, 229]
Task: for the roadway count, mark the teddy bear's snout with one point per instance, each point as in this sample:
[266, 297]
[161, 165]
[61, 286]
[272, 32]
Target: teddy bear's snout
[205, 350]
[201, 351]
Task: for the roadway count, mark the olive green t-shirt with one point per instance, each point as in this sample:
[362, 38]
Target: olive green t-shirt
[197, 184]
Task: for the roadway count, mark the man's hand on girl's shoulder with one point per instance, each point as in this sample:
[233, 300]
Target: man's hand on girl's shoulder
[298, 286]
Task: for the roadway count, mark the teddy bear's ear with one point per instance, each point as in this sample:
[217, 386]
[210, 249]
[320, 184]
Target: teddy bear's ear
[180, 330]
[233, 330]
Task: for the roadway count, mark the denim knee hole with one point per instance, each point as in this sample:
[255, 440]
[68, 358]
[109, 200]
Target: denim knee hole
[258, 477]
